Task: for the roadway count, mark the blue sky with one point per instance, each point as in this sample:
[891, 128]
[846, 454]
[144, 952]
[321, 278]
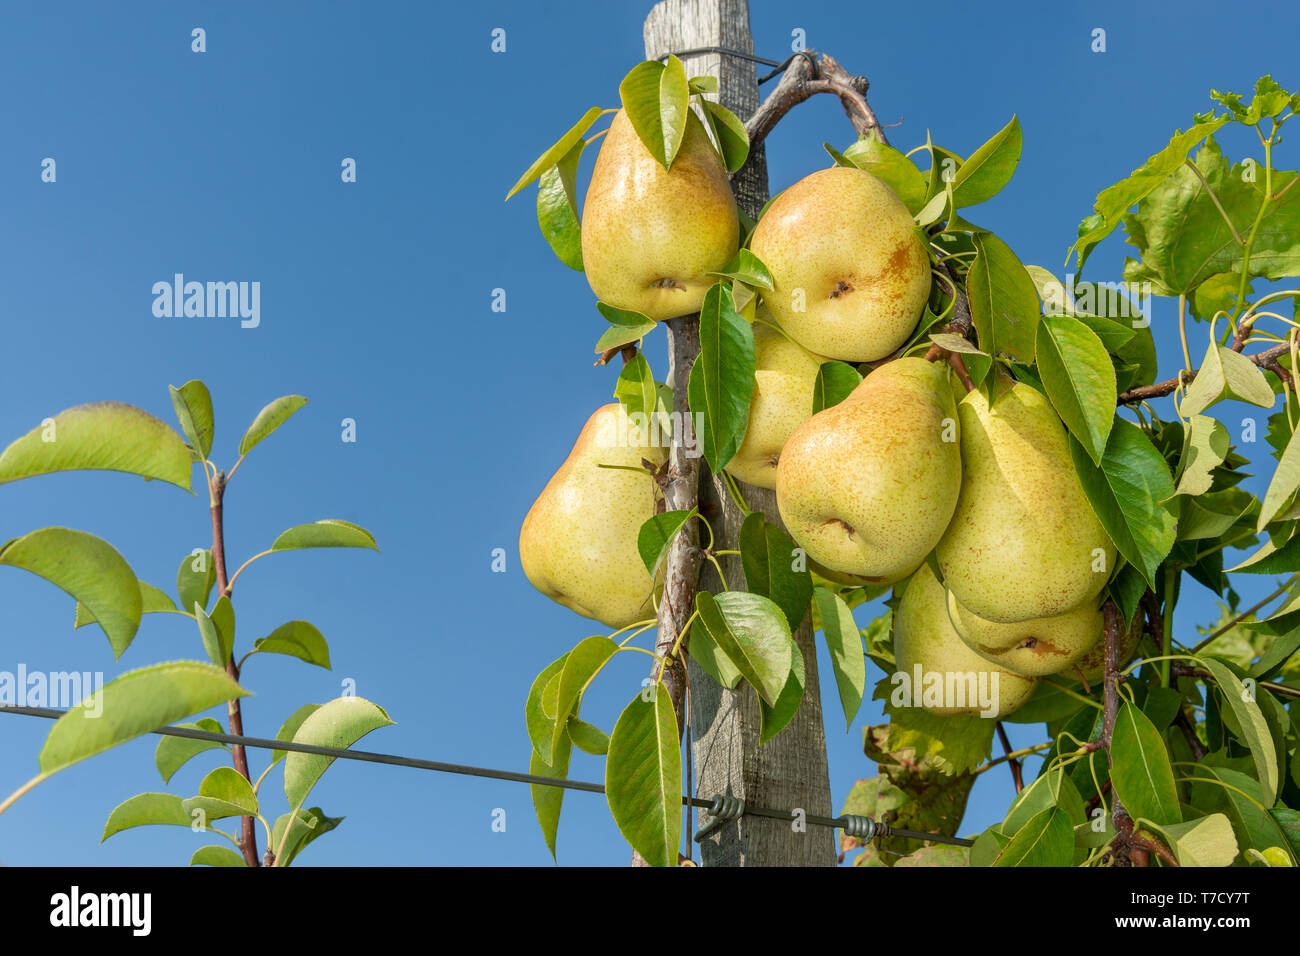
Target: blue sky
[375, 304]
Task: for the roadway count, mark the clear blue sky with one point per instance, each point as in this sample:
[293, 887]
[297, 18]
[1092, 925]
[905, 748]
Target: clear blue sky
[376, 305]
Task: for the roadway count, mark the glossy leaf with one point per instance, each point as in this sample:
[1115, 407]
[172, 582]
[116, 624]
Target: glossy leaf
[588, 738]
[1003, 300]
[146, 809]
[1079, 379]
[722, 378]
[891, 166]
[104, 436]
[1254, 728]
[1226, 374]
[557, 208]
[1047, 839]
[747, 268]
[989, 168]
[845, 645]
[1126, 493]
[290, 727]
[213, 643]
[297, 639]
[733, 138]
[547, 801]
[306, 826]
[216, 856]
[752, 632]
[269, 419]
[193, 406]
[340, 723]
[657, 534]
[328, 533]
[773, 719]
[132, 705]
[1208, 841]
[656, 99]
[558, 151]
[90, 570]
[223, 793]
[1286, 480]
[835, 382]
[540, 726]
[625, 326]
[1140, 770]
[581, 666]
[768, 555]
[643, 777]
[152, 601]
[172, 753]
[1205, 446]
[195, 579]
[636, 389]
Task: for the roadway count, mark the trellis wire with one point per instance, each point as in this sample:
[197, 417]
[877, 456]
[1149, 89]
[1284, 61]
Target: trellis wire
[852, 823]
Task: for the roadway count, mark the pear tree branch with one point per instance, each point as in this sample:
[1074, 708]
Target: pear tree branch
[807, 75]
[1266, 359]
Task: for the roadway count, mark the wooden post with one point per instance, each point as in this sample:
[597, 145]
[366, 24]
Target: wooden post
[789, 770]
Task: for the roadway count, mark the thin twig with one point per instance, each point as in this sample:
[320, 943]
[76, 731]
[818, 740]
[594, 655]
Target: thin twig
[1159, 389]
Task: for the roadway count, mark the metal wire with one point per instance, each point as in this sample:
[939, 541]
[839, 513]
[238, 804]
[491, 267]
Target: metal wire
[846, 822]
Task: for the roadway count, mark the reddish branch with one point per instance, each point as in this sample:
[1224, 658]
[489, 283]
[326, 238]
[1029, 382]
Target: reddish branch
[1017, 776]
[807, 76]
[248, 834]
[628, 352]
[1267, 359]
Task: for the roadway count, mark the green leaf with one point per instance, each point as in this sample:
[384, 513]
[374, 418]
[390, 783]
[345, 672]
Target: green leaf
[581, 666]
[290, 727]
[636, 388]
[195, 578]
[269, 419]
[557, 208]
[733, 138]
[1079, 379]
[1047, 839]
[767, 555]
[625, 326]
[657, 534]
[772, 720]
[704, 84]
[1239, 796]
[213, 640]
[989, 168]
[297, 639]
[1205, 446]
[133, 705]
[711, 659]
[1278, 653]
[1140, 771]
[193, 406]
[103, 436]
[152, 601]
[722, 378]
[173, 753]
[588, 738]
[1226, 374]
[327, 533]
[306, 826]
[541, 727]
[90, 570]
[1115, 200]
[339, 724]
[955, 343]
[1208, 841]
[547, 801]
[223, 793]
[656, 99]
[835, 381]
[146, 809]
[747, 268]
[752, 632]
[216, 856]
[1003, 300]
[558, 151]
[1286, 480]
[1046, 791]
[1126, 493]
[1254, 728]
[845, 645]
[643, 777]
[894, 168]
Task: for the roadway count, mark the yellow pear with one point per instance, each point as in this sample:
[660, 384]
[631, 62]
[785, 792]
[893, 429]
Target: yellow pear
[943, 674]
[1036, 647]
[1024, 542]
[650, 234]
[782, 401]
[850, 272]
[578, 542]
[867, 486]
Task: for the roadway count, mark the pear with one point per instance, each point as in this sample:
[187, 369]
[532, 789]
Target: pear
[782, 401]
[850, 272]
[1024, 542]
[925, 638]
[1036, 647]
[868, 486]
[650, 234]
[578, 542]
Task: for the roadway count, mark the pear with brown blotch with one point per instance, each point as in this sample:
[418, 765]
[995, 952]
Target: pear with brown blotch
[782, 401]
[649, 234]
[578, 545]
[867, 487]
[945, 676]
[850, 271]
[1036, 647]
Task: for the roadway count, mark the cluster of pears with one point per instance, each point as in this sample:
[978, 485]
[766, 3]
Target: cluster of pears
[900, 469]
